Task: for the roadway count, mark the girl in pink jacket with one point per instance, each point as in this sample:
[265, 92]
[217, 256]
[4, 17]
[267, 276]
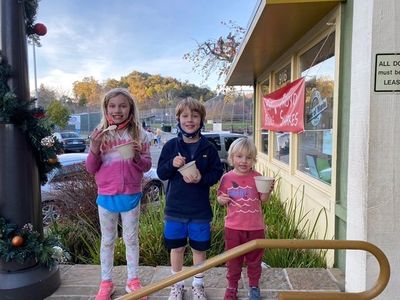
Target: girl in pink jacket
[119, 155]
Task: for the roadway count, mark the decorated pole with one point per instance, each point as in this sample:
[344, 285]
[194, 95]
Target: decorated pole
[20, 203]
[19, 185]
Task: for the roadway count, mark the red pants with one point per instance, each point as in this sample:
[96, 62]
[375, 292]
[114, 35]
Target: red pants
[253, 259]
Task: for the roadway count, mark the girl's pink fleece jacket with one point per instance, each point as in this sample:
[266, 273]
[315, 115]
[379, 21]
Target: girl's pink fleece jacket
[116, 176]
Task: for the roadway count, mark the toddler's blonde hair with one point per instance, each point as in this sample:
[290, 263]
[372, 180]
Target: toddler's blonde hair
[244, 144]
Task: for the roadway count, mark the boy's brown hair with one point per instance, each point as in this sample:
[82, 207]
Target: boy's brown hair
[193, 105]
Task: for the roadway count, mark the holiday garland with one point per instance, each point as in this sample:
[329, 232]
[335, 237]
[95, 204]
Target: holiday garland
[20, 112]
[24, 244]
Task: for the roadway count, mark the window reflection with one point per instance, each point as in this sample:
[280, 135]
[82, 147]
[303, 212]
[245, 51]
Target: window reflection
[265, 90]
[315, 143]
[282, 146]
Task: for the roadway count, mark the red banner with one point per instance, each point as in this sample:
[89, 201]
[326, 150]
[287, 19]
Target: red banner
[283, 110]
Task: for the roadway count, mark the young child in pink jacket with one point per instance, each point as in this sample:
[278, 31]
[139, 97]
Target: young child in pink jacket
[118, 178]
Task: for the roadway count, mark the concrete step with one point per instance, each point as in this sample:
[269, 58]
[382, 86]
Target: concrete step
[81, 281]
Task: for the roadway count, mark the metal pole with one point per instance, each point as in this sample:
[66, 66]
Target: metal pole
[35, 75]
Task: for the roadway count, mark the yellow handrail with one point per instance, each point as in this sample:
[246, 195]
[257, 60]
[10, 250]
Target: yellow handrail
[373, 292]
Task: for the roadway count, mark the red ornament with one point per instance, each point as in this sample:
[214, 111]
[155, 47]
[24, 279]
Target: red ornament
[39, 115]
[52, 160]
[40, 29]
[17, 241]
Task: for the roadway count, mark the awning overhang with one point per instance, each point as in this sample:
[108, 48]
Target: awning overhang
[275, 26]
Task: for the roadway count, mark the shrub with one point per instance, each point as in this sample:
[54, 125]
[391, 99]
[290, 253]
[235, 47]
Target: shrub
[77, 198]
[285, 220]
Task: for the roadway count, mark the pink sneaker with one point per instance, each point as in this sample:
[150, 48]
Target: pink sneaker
[134, 285]
[105, 291]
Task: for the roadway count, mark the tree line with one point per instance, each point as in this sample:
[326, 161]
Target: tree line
[150, 91]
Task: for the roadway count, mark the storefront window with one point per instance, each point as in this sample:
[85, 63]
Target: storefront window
[282, 139]
[265, 90]
[317, 65]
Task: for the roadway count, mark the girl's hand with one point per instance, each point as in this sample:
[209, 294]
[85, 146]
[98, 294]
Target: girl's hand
[178, 161]
[192, 178]
[137, 150]
[95, 140]
[223, 199]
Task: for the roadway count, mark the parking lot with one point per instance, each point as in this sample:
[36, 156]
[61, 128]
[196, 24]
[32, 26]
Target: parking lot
[155, 150]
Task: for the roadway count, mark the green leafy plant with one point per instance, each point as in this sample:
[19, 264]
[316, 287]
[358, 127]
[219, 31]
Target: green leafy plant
[287, 220]
[152, 250]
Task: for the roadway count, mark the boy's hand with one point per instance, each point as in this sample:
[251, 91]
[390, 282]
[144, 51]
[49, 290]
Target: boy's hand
[178, 161]
[192, 178]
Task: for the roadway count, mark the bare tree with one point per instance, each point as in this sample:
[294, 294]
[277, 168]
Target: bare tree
[216, 55]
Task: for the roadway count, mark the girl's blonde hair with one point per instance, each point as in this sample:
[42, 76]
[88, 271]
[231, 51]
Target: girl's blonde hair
[243, 144]
[193, 105]
[133, 126]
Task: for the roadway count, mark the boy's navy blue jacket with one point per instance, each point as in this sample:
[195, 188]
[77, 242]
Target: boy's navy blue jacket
[189, 200]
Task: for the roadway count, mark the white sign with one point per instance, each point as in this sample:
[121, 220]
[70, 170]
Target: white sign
[75, 120]
[387, 72]
[217, 127]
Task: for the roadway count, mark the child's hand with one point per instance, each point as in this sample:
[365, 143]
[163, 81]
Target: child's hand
[145, 147]
[192, 178]
[137, 149]
[95, 140]
[265, 196]
[178, 161]
[223, 199]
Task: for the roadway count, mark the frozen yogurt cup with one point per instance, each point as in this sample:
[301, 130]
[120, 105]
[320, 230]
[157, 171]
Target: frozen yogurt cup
[188, 169]
[263, 183]
[126, 150]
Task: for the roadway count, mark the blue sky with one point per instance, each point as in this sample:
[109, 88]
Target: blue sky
[109, 39]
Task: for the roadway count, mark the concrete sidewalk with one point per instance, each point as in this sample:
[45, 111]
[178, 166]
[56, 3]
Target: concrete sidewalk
[80, 282]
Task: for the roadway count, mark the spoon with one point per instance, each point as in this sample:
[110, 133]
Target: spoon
[111, 127]
[235, 202]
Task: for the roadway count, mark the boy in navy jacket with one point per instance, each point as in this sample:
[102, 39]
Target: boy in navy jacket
[188, 211]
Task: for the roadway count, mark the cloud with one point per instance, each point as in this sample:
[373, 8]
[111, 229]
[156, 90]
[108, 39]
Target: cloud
[112, 40]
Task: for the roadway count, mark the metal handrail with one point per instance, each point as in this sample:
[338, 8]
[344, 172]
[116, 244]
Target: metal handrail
[373, 292]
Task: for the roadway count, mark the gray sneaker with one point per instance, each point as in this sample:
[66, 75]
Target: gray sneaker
[198, 292]
[176, 292]
[254, 293]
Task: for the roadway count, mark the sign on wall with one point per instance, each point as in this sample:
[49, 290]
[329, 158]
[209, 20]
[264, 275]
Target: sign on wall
[387, 72]
[283, 109]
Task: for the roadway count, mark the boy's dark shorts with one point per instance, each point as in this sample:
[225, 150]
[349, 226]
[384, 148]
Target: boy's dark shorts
[177, 232]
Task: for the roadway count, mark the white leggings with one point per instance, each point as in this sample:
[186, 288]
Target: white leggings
[108, 228]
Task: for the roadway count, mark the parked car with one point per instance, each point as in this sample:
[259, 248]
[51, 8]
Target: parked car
[222, 141]
[71, 141]
[72, 178]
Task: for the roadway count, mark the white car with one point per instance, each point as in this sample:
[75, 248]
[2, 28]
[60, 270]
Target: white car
[222, 140]
[73, 174]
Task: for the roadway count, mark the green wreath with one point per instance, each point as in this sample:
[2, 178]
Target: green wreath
[24, 244]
